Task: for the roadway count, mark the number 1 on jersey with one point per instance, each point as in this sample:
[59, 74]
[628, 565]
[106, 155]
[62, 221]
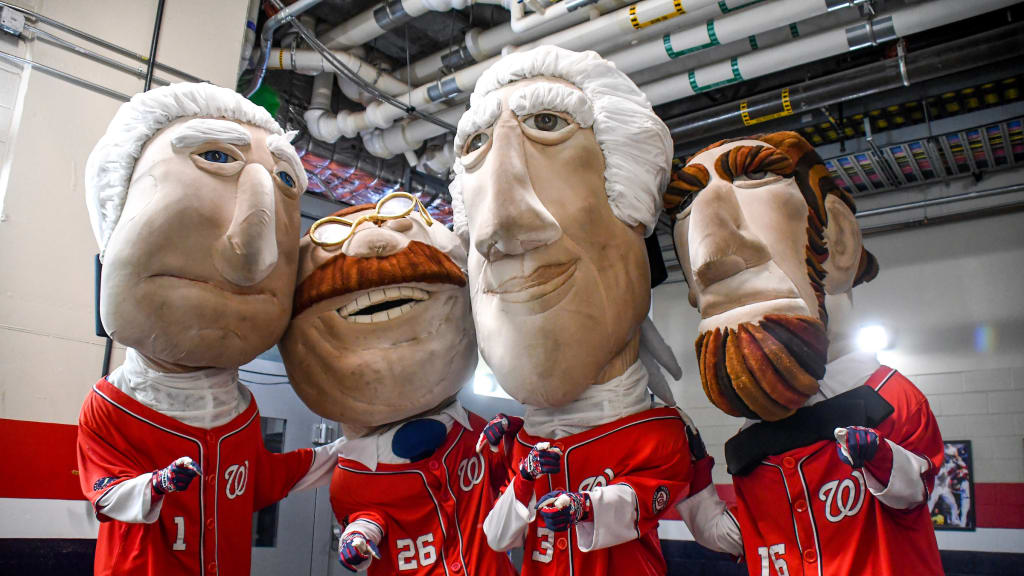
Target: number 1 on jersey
[179, 543]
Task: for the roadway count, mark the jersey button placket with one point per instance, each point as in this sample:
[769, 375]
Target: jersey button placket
[456, 566]
[810, 555]
[211, 567]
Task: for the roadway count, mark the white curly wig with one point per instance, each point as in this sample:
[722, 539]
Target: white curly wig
[636, 144]
[108, 171]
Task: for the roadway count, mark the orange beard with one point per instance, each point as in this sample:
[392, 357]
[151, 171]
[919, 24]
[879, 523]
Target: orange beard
[763, 370]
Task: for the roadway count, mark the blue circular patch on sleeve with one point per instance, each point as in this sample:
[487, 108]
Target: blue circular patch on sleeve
[418, 439]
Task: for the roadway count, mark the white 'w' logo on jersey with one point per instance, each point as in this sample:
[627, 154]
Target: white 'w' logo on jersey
[236, 475]
[843, 498]
[471, 472]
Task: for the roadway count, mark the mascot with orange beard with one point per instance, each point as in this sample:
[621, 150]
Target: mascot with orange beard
[381, 341]
[832, 469]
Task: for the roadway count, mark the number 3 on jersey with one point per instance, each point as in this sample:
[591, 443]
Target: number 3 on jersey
[774, 553]
[409, 552]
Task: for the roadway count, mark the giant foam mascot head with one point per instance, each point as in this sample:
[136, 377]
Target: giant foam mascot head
[193, 194]
[770, 248]
[381, 329]
[561, 164]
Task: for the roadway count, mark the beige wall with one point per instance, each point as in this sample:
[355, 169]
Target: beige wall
[49, 355]
[939, 290]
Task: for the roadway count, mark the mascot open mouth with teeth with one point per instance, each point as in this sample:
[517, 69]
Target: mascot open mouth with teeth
[381, 341]
[833, 467]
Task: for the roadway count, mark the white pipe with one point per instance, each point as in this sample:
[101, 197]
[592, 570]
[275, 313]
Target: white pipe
[385, 16]
[319, 120]
[401, 138]
[738, 25]
[767, 39]
[381, 115]
[482, 44]
[898, 23]
[249, 36]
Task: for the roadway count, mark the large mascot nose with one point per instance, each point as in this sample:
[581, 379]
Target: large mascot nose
[506, 216]
[247, 253]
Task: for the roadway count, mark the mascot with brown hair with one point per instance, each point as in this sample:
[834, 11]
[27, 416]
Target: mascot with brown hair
[833, 467]
[381, 341]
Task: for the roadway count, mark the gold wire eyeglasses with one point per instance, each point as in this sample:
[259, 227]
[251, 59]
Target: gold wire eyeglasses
[334, 230]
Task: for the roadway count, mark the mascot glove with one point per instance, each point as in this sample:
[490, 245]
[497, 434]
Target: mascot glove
[701, 475]
[865, 447]
[354, 549]
[175, 477]
[561, 509]
[542, 459]
[493, 433]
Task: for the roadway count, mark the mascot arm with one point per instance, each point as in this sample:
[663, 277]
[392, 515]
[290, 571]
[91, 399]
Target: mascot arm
[902, 472]
[711, 523]
[119, 487]
[275, 475]
[325, 459]
[506, 524]
[634, 502]
[368, 525]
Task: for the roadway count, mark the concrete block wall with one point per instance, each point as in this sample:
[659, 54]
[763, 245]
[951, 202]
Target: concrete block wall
[987, 408]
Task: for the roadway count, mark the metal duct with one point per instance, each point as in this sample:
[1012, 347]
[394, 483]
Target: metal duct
[950, 58]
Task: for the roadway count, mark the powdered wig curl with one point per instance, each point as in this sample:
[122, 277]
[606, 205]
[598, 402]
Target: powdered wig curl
[636, 144]
[109, 168]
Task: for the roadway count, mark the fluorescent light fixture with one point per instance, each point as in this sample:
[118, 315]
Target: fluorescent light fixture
[873, 338]
[484, 382]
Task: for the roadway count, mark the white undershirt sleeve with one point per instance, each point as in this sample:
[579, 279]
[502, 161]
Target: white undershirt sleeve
[614, 510]
[132, 501]
[906, 486]
[371, 530]
[506, 524]
[325, 458]
[711, 523]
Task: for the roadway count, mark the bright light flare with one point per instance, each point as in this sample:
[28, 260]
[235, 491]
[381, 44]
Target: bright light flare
[873, 338]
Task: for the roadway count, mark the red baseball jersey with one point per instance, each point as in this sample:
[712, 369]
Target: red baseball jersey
[648, 452]
[805, 512]
[430, 511]
[206, 529]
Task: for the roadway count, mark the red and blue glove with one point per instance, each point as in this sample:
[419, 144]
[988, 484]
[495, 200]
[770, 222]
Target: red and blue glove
[701, 462]
[175, 477]
[542, 459]
[561, 509]
[862, 447]
[493, 433]
[354, 549]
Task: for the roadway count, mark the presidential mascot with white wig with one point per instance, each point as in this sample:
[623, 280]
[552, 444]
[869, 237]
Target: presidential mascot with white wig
[561, 165]
[193, 193]
[382, 341]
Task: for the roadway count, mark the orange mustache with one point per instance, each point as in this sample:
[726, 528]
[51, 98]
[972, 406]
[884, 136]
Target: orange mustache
[765, 370]
[341, 274]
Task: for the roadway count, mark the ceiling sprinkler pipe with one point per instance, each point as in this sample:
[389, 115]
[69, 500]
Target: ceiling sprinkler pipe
[732, 26]
[267, 38]
[402, 138]
[951, 58]
[881, 28]
[383, 17]
[480, 45]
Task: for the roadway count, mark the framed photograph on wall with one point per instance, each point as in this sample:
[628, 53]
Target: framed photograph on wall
[950, 500]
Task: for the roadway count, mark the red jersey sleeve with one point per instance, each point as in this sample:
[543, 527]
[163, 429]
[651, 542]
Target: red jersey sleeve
[664, 481]
[101, 463]
[278, 473]
[917, 431]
